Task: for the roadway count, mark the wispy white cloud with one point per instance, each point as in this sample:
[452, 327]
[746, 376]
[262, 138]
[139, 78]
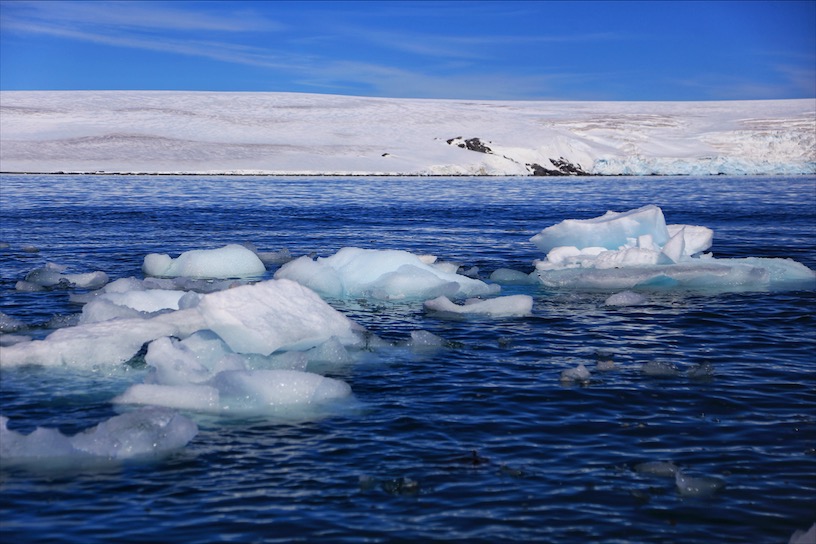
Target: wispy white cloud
[134, 15]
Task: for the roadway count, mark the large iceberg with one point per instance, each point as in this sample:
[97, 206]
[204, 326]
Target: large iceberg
[381, 274]
[637, 249]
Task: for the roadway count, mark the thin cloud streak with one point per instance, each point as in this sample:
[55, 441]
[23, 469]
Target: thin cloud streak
[137, 15]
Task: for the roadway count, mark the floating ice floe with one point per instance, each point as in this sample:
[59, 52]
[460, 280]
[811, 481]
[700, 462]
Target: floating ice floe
[579, 374]
[202, 374]
[51, 275]
[146, 432]
[230, 261]
[637, 249]
[507, 306]
[260, 318]
[381, 274]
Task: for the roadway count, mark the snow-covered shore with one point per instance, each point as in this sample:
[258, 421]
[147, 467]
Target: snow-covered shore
[157, 132]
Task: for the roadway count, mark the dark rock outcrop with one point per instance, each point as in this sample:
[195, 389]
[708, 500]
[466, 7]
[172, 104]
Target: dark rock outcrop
[563, 167]
[472, 144]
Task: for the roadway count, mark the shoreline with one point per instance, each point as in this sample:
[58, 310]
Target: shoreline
[375, 175]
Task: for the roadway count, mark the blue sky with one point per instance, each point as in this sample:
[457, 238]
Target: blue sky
[578, 50]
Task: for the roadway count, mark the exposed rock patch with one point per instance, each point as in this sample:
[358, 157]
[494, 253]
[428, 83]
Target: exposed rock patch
[563, 167]
[473, 144]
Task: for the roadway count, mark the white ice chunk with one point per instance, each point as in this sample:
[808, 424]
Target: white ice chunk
[274, 315]
[197, 398]
[332, 351]
[104, 343]
[675, 248]
[270, 388]
[750, 274]
[579, 374]
[696, 239]
[636, 249]
[512, 305]
[230, 261]
[243, 392]
[611, 230]
[141, 433]
[383, 274]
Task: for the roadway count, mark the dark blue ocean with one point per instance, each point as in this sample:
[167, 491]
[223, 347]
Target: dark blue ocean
[476, 442]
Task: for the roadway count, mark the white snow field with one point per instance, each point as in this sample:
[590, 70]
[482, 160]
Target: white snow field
[309, 134]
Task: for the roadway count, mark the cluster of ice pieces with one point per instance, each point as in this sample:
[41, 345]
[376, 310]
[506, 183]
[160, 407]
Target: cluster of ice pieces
[222, 340]
[637, 249]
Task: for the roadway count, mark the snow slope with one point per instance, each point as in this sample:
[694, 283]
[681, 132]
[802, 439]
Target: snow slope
[306, 134]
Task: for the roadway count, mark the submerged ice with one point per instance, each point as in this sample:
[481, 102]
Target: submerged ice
[146, 432]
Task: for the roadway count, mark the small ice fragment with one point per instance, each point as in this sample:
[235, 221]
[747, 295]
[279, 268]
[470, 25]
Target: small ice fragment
[659, 368]
[512, 305]
[703, 486]
[605, 364]
[422, 340]
[10, 324]
[625, 298]
[579, 374]
[804, 537]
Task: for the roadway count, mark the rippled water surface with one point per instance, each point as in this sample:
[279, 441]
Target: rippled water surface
[478, 441]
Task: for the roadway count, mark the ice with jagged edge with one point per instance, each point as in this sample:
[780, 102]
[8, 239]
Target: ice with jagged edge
[382, 274]
[637, 249]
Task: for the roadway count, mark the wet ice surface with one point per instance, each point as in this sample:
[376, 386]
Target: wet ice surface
[695, 417]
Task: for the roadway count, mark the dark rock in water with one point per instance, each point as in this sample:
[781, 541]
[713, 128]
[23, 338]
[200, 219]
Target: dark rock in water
[563, 167]
[473, 144]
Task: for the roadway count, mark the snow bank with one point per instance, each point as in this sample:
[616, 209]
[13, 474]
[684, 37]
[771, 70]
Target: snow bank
[636, 249]
[239, 133]
[381, 274]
